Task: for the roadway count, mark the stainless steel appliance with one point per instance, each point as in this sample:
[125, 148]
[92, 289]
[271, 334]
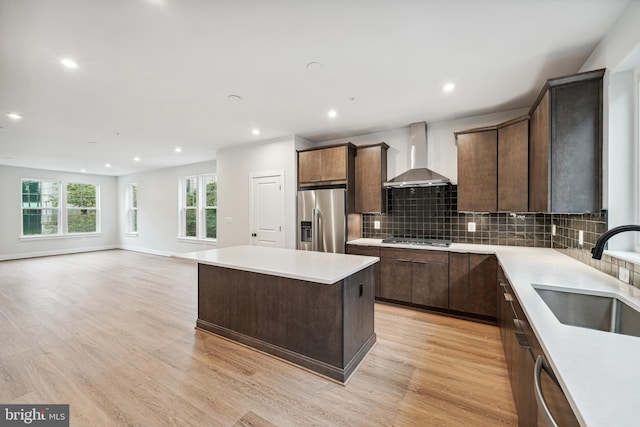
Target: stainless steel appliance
[322, 220]
[417, 241]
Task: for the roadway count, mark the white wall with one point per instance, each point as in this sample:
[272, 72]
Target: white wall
[442, 154]
[619, 53]
[158, 210]
[235, 164]
[12, 246]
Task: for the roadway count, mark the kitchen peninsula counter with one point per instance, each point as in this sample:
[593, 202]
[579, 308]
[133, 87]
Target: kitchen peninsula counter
[598, 371]
[314, 309]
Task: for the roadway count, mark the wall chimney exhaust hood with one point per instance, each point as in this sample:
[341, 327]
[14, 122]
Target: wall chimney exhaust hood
[417, 176]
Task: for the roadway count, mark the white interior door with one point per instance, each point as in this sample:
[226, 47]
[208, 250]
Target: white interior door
[266, 217]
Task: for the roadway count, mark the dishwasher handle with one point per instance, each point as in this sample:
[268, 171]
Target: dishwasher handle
[546, 413]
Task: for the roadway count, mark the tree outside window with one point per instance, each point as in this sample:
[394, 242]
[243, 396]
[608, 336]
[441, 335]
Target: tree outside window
[82, 214]
[210, 206]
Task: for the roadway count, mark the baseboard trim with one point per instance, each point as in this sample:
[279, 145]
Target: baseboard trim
[57, 252]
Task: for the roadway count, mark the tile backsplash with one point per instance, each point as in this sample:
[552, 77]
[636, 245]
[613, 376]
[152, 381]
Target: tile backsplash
[431, 213]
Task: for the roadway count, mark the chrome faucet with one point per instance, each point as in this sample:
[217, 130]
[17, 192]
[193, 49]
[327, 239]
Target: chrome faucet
[596, 252]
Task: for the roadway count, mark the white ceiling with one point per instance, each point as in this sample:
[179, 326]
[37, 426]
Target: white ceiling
[156, 74]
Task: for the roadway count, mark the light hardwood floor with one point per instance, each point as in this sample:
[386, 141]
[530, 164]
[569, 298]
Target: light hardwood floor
[112, 334]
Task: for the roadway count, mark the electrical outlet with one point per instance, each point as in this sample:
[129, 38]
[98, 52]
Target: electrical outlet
[623, 274]
[553, 229]
[580, 237]
[471, 227]
[376, 225]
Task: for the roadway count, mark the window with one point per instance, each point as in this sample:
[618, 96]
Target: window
[132, 208]
[198, 202]
[82, 208]
[210, 184]
[40, 207]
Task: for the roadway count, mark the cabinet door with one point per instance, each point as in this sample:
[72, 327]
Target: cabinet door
[395, 279]
[334, 164]
[309, 166]
[371, 172]
[539, 139]
[513, 167]
[459, 281]
[369, 251]
[482, 289]
[478, 171]
[430, 283]
[576, 150]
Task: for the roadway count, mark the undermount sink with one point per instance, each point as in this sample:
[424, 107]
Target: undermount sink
[598, 312]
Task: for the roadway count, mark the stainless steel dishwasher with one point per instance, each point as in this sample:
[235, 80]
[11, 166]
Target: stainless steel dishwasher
[554, 409]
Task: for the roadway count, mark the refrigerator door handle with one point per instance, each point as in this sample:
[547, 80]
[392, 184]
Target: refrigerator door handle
[315, 229]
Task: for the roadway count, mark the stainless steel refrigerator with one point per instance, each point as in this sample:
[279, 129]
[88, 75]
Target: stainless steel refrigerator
[322, 220]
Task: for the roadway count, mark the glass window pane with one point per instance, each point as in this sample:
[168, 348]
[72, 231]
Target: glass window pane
[191, 193]
[81, 220]
[39, 221]
[211, 187]
[190, 229]
[134, 196]
[211, 223]
[81, 196]
[134, 221]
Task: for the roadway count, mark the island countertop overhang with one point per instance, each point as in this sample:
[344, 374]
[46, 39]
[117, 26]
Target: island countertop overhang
[319, 267]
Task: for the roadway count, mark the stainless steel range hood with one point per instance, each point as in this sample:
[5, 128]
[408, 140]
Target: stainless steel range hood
[417, 176]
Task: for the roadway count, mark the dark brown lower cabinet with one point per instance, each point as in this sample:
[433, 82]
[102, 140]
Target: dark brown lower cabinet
[521, 348]
[472, 280]
[415, 276]
[369, 251]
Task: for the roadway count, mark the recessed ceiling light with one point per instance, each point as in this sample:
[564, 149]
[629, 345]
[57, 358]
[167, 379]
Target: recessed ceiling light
[332, 113]
[14, 116]
[177, 150]
[136, 159]
[234, 98]
[448, 87]
[69, 63]
[92, 142]
[107, 165]
[83, 170]
[256, 131]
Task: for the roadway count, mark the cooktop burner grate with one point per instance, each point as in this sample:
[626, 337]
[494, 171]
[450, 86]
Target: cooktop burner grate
[417, 241]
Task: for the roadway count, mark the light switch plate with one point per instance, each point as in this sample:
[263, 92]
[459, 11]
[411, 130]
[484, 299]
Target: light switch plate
[553, 229]
[580, 237]
[471, 226]
[227, 220]
[376, 225]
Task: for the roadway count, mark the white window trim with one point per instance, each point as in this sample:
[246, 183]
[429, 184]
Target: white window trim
[130, 208]
[200, 210]
[97, 209]
[636, 135]
[59, 209]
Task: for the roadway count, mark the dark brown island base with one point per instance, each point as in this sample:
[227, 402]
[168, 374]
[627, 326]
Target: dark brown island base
[309, 308]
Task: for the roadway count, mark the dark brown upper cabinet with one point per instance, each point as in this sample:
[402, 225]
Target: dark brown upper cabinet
[493, 167]
[371, 173]
[325, 166]
[477, 170]
[565, 145]
[513, 165]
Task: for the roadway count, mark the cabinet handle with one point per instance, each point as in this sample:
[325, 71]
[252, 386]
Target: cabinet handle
[521, 336]
[420, 262]
[404, 260]
[508, 297]
[546, 413]
[504, 285]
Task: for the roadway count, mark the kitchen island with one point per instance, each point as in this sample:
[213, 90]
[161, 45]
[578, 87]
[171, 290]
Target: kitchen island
[313, 309]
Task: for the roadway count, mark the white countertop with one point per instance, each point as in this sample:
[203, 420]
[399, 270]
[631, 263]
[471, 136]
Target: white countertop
[599, 371]
[321, 267]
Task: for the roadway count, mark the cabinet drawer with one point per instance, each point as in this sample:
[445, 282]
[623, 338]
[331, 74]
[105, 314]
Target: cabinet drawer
[363, 250]
[419, 255]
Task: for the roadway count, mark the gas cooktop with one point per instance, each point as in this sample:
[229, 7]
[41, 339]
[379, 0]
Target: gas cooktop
[417, 241]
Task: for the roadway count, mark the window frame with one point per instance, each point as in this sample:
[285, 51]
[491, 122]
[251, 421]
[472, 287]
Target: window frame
[96, 209]
[200, 182]
[131, 197]
[58, 210]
